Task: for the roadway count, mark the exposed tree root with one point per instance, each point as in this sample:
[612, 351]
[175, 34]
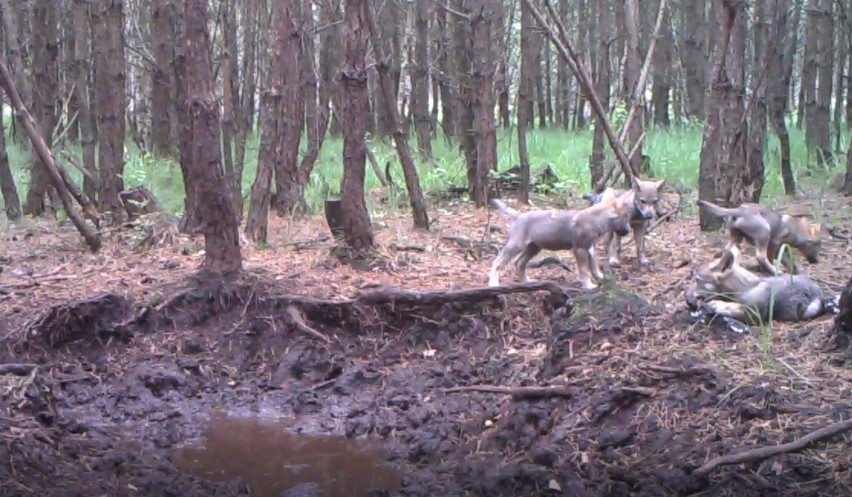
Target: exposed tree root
[518, 392]
[762, 453]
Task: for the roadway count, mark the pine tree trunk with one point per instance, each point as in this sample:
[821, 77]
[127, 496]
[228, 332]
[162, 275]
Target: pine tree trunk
[110, 100]
[357, 228]
[420, 78]
[200, 143]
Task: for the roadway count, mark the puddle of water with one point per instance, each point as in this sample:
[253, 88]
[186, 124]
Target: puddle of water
[271, 459]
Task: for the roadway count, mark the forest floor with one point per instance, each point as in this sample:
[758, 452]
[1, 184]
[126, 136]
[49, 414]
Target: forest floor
[308, 370]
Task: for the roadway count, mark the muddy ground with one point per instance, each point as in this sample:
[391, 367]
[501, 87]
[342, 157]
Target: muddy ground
[139, 366]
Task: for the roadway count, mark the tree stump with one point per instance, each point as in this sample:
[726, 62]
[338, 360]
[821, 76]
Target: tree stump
[138, 201]
[334, 216]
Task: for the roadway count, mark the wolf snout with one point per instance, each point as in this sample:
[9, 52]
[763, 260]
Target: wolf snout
[622, 231]
[813, 259]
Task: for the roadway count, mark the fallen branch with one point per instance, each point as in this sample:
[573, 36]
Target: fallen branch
[761, 453]
[394, 297]
[294, 317]
[50, 165]
[17, 369]
[517, 392]
[575, 64]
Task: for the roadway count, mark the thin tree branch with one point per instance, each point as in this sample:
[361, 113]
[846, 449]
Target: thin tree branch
[761, 453]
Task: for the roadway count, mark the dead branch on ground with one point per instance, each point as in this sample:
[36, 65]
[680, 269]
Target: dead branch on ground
[517, 392]
[17, 369]
[295, 319]
[762, 453]
[57, 175]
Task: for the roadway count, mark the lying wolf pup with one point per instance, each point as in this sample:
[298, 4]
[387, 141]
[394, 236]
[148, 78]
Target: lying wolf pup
[643, 201]
[768, 230]
[575, 230]
[751, 296]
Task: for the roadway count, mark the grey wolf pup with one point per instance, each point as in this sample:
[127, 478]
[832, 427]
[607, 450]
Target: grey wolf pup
[643, 200]
[731, 290]
[768, 230]
[577, 230]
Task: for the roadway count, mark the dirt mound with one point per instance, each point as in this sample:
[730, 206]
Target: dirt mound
[525, 390]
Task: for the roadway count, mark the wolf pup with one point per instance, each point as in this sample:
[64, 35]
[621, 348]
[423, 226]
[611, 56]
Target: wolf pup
[643, 201]
[768, 230]
[750, 296]
[575, 230]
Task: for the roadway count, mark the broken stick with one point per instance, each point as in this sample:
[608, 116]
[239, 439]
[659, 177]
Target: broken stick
[517, 392]
[17, 369]
[294, 317]
[50, 165]
[761, 453]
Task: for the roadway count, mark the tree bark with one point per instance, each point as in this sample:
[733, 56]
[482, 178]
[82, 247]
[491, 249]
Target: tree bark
[357, 229]
[446, 67]
[244, 112]
[391, 17]
[412, 180]
[230, 97]
[723, 144]
[752, 177]
[632, 71]
[482, 100]
[45, 70]
[420, 78]
[201, 144]
[466, 112]
[602, 83]
[821, 130]
[108, 40]
[662, 82]
[288, 191]
[14, 48]
[694, 58]
[80, 70]
[162, 87]
[779, 74]
[316, 109]
[11, 201]
[529, 42]
[272, 124]
[847, 179]
[807, 88]
[330, 64]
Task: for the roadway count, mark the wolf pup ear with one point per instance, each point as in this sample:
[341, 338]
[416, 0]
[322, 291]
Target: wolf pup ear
[816, 230]
[661, 184]
[636, 183]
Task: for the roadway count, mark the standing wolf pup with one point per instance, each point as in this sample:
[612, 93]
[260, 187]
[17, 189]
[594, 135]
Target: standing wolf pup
[767, 230]
[643, 200]
[575, 230]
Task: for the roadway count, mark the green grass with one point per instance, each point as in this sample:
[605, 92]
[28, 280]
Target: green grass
[674, 154]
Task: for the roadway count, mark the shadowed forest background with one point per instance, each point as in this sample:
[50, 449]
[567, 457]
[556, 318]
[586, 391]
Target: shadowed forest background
[476, 86]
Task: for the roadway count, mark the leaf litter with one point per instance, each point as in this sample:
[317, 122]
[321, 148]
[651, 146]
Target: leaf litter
[114, 359]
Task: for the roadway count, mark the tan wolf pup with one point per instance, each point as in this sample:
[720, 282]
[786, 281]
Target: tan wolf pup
[577, 230]
[768, 230]
[643, 200]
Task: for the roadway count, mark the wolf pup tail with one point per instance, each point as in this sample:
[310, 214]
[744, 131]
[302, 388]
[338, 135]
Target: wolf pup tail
[505, 209]
[718, 211]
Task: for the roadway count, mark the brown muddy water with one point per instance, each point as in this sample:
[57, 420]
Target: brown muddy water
[271, 458]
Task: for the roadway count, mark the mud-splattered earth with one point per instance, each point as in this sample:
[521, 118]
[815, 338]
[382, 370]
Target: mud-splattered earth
[216, 389]
[121, 402]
